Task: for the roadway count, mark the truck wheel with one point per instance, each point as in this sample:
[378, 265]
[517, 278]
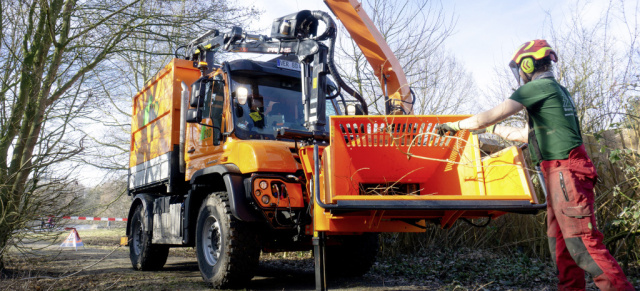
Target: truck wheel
[353, 257]
[144, 255]
[228, 249]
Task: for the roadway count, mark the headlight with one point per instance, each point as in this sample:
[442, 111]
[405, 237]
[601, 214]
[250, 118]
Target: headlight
[241, 94]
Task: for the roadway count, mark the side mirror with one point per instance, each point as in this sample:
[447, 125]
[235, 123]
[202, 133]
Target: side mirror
[194, 115]
[198, 91]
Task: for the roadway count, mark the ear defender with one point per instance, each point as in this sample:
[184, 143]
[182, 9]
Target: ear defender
[527, 65]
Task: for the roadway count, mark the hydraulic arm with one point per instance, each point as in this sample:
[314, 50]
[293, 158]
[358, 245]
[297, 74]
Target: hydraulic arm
[386, 67]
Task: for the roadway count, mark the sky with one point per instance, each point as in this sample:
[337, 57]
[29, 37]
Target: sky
[486, 35]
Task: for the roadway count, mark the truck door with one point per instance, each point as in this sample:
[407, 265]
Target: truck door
[204, 140]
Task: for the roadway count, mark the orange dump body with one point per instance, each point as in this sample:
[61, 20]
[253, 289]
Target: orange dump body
[155, 124]
[381, 172]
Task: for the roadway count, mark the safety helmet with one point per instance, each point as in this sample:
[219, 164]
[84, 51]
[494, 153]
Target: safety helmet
[524, 57]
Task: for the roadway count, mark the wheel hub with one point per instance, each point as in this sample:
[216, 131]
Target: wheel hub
[136, 238]
[211, 240]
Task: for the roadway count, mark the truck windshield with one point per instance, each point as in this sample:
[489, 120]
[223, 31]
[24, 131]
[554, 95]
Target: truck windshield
[272, 102]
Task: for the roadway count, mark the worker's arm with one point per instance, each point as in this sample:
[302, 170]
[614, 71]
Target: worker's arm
[512, 133]
[491, 116]
[495, 115]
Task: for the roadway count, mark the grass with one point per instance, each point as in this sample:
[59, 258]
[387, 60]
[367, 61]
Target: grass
[468, 268]
[114, 232]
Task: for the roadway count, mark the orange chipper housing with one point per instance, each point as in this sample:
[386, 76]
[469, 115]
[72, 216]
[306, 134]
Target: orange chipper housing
[393, 173]
[380, 172]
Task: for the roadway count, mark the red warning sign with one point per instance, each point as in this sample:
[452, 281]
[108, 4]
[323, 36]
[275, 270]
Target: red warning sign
[73, 240]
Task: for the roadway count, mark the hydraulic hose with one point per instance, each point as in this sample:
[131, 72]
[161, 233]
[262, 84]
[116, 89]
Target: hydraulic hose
[330, 33]
[175, 53]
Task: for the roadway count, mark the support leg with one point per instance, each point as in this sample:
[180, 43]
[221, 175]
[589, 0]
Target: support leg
[318, 251]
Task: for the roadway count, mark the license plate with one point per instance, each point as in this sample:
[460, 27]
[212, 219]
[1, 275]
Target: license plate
[288, 65]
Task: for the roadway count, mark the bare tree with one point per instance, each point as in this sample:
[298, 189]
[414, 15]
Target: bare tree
[416, 32]
[127, 71]
[596, 62]
[50, 53]
[108, 199]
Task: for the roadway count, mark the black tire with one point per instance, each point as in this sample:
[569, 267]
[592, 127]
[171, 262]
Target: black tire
[228, 249]
[144, 255]
[354, 255]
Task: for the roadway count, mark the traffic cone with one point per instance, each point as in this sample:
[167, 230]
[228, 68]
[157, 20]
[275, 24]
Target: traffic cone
[73, 240]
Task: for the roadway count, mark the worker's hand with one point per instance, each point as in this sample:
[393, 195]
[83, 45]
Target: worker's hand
[488, 129]
[452, 127]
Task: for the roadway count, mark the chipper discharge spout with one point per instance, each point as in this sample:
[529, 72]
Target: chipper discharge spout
[392, 173]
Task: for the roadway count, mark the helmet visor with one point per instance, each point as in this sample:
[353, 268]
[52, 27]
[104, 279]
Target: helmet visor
[515, 69]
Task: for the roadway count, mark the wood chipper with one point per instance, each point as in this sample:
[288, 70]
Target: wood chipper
[244, 156]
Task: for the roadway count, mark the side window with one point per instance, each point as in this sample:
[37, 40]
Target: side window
[217, 102]
[207, 99]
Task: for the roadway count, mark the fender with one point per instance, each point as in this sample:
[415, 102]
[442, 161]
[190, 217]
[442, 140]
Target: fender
[147, 204]
[225, 177]
[234, 185]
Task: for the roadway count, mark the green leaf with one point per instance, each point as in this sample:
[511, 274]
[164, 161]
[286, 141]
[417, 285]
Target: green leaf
[614, 156]
[598, 136]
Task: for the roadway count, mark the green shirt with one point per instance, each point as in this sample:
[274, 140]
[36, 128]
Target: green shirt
[553, 114]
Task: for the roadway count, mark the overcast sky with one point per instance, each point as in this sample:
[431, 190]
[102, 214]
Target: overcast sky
[486, 34]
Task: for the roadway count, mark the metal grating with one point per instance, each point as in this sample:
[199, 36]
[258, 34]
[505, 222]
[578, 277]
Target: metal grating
[374, 134]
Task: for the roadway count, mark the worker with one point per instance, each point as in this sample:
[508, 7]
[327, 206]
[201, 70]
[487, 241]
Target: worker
[555, 143]
[276, 112]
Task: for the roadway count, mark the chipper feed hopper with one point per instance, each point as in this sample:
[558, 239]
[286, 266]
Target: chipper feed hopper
[391, 173]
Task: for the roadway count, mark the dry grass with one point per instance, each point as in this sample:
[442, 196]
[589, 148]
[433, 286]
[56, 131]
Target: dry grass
[438, 268]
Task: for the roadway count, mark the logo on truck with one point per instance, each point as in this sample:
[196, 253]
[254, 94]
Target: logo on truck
[150, 110]
[205, 132]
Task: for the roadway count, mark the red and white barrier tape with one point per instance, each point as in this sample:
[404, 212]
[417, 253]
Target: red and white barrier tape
[94, 218]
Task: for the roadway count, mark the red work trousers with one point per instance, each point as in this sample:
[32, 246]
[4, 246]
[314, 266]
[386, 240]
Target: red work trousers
[575, 242]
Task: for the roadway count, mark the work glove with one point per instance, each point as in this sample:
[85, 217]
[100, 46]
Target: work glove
[452, 127]
[488, 129]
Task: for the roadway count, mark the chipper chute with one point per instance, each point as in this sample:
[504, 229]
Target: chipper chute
[391, 173]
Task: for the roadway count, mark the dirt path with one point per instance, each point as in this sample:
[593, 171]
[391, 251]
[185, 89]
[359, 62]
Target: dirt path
[102, 265]
[109, 268]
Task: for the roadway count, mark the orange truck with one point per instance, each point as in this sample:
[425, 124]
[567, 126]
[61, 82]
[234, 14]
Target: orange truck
[244, 156]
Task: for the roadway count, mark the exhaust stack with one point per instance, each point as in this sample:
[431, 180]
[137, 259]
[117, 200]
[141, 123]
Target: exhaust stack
[183, 122]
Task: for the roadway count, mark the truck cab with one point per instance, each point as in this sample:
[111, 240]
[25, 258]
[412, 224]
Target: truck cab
[209, 168]
[244, 105]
